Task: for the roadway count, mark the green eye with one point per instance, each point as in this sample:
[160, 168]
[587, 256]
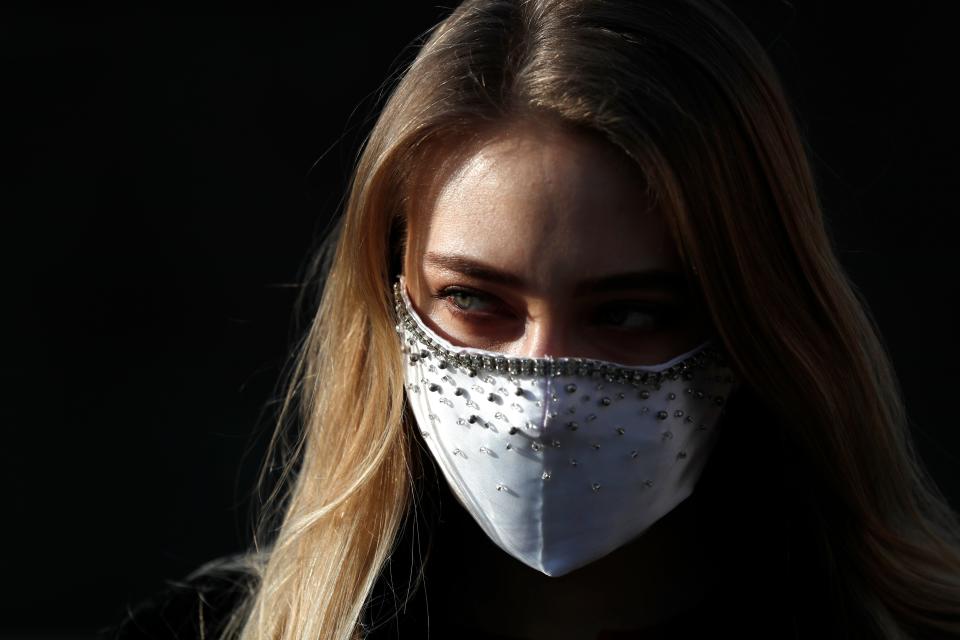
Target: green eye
[634, 317]
[463, 300]
[628, 318]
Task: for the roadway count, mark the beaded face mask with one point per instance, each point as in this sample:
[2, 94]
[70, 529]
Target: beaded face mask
[561, 460]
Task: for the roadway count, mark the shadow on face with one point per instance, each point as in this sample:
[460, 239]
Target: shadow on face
[541, 241]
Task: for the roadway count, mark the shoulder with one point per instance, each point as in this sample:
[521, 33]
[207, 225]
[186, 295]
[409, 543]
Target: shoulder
[195, 607]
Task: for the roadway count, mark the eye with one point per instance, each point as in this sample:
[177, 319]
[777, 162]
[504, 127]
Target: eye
[634, 317]
[465, 301]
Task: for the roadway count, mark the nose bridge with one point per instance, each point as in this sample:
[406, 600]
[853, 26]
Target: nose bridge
[545, 335]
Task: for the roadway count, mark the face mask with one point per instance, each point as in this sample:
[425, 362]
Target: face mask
[561, 460]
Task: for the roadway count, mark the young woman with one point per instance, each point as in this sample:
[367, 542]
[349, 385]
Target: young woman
[583, 270]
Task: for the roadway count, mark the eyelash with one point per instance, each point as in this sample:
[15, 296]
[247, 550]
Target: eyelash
[661, 314]
[447, 292]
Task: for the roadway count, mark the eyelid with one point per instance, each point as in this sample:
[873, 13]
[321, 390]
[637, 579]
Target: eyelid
[446, 292]
[650, 308]
[659, 311]
[653, 318]
[660, 314]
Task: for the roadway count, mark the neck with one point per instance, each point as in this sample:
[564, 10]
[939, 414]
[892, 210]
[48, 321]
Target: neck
[645, 582]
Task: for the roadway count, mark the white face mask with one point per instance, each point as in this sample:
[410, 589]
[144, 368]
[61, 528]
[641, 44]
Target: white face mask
[562, 460]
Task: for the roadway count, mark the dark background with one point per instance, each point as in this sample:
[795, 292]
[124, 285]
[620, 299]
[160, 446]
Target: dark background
[158, 202]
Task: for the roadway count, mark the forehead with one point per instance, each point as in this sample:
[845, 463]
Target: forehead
[551, 205]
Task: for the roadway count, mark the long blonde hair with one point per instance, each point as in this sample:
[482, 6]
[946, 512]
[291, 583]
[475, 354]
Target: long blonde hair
[685, 90]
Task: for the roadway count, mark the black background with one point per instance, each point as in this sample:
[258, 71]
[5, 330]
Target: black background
[165, 176]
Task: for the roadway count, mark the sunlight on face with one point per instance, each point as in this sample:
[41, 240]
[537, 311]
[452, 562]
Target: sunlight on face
[541, 243]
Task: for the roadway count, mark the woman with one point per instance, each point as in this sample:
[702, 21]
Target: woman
[614, 199]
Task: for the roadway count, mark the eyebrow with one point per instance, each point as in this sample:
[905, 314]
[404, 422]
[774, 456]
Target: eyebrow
[658, 279]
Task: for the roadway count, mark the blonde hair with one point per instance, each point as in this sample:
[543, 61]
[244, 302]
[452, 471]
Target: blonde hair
[684, 89]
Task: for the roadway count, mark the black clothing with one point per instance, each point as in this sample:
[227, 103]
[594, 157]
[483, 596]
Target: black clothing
[765, 579]
[183, 608]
